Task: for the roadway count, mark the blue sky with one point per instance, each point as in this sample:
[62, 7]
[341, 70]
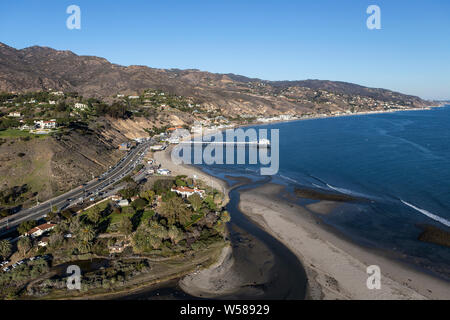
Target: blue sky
[273, 40]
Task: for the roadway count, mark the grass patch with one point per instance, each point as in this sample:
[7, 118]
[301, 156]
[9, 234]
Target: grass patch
[15, 133]
[148, 214]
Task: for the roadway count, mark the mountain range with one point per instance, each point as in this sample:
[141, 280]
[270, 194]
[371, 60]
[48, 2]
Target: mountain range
[41, 68]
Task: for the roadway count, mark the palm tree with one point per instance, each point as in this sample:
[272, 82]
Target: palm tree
[24, 245]
[86, 233]
[5, 248]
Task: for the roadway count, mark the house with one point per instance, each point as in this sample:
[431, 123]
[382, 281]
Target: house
[14, 114]
[43, 242]
[163, 172]
[80, 106]
[118, 247]
[140, 140]
[174, 128]
[116, 197]
[124, 203]
[134, 198]
[51, 102]
[57, 93]
[157, 147]
[120, 95]
[187, 192]
[51, 124]
[40, 230]
[133, 97]
[26, 127]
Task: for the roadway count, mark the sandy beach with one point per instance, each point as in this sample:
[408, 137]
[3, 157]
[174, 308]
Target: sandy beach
[335, 267]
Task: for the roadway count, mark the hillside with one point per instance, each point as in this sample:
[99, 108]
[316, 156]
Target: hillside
[41, 68]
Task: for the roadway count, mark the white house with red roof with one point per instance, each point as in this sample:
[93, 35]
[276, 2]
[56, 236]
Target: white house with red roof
[51, 124]
[187, 192]
[40, 230]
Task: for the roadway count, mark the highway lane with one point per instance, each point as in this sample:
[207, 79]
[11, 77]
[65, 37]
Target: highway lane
[92, 188]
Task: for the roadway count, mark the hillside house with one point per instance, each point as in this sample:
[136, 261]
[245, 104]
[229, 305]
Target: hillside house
[51, 124]
[14, 114]
[40, 230]
[80, 106]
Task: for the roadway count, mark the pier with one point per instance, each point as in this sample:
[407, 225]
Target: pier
[264, 143]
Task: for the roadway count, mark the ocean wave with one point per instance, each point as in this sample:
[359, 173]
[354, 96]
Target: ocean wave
[289, 179]
[428, 214]
[349, 192]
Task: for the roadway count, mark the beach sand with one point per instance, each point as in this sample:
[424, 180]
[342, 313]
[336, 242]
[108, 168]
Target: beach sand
[336, 268]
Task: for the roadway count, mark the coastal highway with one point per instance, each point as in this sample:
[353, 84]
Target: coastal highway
[90, 189]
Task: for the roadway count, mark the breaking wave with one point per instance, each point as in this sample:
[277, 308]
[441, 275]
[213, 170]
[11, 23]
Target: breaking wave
[428, 214]
[349, 192]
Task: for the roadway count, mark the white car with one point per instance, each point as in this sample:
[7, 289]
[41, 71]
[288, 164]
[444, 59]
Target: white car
[6, 269]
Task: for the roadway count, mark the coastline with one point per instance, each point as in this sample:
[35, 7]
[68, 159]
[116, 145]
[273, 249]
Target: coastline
[362, 113]
[335, 267]
[252, 267]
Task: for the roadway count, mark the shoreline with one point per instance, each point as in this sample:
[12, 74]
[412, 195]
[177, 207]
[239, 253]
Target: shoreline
[302, 233]
[336, 267]
[317, 117]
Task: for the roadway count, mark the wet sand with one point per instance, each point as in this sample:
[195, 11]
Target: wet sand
[336, 268]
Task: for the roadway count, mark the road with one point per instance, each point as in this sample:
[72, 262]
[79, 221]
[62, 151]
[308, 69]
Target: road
[92, 189]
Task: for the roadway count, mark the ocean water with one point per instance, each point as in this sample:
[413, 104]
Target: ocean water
[399, 161]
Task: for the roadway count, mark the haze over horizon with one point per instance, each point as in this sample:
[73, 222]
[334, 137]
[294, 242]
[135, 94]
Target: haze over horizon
[283, 40]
